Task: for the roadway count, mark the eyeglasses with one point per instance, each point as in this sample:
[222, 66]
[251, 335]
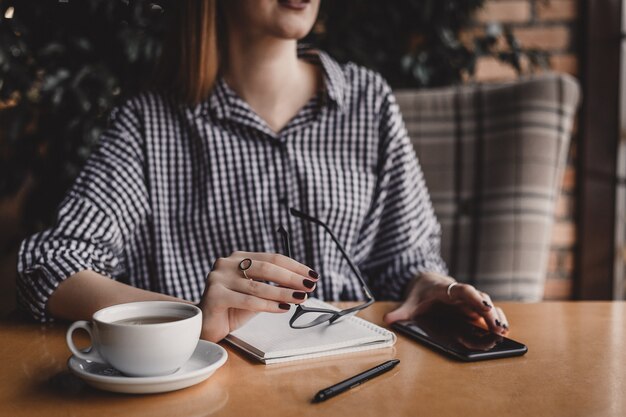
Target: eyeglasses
[305, 317]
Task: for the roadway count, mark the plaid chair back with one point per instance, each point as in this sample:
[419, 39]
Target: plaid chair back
[493, 156]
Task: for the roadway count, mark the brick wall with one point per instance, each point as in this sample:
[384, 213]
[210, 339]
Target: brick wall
[550, 26]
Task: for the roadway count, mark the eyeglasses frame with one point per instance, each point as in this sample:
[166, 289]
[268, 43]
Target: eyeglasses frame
[335, 315]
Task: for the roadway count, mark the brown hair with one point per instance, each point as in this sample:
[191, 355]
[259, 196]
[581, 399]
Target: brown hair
[190, 60]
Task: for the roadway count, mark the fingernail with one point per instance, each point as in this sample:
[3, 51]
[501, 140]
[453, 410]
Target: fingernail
[498, 323]
[506, 326]
[314, 274]
[284, 306]
[308, 283]
[486, 304]
[299, 295]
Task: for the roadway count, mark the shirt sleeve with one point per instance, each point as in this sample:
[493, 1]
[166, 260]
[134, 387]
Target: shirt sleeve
[103, 208]
[401, 229]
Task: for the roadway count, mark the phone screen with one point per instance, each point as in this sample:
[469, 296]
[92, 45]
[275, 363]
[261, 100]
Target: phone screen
[459, 338]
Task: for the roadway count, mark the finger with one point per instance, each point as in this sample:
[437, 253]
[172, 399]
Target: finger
[500, 325]
[492, 318]
[267, 271]
[503, 320]
[470, 313]
[487, 302]
[279, 260]
[249, 302]
[404, 312]
[479, 302]
[467, 295]
[266, 291]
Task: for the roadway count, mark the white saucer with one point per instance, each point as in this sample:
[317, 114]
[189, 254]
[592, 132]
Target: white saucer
[206, 359]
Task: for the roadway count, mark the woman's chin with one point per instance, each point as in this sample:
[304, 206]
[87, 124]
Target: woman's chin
[291, 31]
[293, 24]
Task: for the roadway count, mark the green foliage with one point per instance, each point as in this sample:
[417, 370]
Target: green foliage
[65, 63]
[415, 43]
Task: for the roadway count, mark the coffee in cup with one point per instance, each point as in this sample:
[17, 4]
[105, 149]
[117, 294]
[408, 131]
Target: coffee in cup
[146, 338]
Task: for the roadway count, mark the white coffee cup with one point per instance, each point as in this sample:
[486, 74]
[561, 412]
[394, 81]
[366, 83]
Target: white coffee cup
[126, 337]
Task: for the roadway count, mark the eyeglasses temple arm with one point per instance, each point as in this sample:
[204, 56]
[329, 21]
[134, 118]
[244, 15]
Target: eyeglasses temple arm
[354, 269]
[285, 235]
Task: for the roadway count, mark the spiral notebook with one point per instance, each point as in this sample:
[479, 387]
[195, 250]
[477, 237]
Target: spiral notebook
[268, 338]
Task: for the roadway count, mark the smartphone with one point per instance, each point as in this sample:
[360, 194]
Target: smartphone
[459, 339]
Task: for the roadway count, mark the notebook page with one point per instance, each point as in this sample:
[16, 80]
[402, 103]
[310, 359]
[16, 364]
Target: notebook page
[268, 335]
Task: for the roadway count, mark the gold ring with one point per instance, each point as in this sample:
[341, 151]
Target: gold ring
[450, 289]
[244, 266]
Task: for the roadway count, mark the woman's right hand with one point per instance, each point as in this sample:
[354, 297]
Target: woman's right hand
[229, 299]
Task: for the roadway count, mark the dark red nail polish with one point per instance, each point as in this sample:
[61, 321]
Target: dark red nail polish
[284, 306]
[314, 274]
[498, 323]
[486, 304]
[308, 283]
[299, 295]
[505, 326]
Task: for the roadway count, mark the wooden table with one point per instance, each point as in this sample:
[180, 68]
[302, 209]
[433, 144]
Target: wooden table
[576, 366]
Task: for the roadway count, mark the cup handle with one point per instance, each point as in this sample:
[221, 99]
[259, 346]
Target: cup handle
[91, 354]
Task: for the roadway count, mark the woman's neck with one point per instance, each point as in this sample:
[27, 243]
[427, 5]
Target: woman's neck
[268, 75]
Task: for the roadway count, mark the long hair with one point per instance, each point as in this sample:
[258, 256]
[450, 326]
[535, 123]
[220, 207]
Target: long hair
[190, 60]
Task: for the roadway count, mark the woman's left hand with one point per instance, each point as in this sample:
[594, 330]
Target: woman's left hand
[431, 289]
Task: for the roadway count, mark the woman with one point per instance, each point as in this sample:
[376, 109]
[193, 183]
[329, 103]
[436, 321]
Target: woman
[198, 176]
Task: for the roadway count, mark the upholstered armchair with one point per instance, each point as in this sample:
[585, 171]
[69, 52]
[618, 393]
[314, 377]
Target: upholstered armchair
[493, 156]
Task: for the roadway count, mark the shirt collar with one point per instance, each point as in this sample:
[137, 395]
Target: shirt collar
[334, 78]
[219, 101]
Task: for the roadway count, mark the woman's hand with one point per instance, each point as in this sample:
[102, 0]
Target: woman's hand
[431, 289]
[229, 299]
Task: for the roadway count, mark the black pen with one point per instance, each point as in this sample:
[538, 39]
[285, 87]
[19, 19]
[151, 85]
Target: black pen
[356, 380]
